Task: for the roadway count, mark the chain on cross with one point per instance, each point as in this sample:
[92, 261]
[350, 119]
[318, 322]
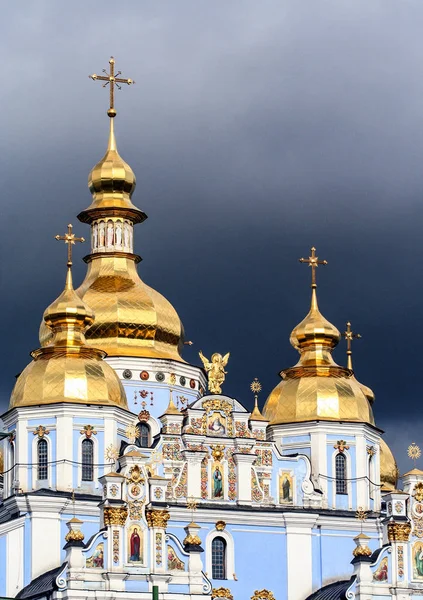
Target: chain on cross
[69, 238]
[349, 335]
[112, 79]
[313, 262]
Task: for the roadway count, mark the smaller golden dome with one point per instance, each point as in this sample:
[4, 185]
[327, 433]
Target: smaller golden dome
[112, 183]
[388, 468]
[67, 370]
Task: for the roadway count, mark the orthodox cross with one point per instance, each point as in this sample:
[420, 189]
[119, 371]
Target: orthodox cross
[112, 79]
[313, 262]
[69, 238]
[349, 335]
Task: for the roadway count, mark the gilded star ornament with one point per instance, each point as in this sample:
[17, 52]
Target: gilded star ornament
[255, 386]
[414, 451]
[132, 432]
[111, 454]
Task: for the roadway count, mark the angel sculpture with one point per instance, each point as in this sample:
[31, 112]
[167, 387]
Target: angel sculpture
[216, 370]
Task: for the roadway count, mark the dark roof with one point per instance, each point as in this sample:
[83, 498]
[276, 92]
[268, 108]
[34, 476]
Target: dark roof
[333, 591]
[42, 585]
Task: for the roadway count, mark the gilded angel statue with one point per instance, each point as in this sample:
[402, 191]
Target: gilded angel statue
[216, 370]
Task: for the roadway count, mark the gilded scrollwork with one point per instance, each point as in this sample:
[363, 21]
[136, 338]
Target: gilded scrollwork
[222, 593]
[157, 518]
[399, 532]
[115, 515]
[263, 595]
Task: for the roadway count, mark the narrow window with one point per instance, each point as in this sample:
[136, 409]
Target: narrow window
[341, 473]
[87, 460]
[42, 449]
[218, 558]
[371, 479]
[144, 438]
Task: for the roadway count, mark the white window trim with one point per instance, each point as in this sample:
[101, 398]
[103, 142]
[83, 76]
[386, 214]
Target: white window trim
[230, 553]
[349, 477]
[96, 475]
[50, 466]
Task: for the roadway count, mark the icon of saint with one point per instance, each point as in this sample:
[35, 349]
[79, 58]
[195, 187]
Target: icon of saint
[135, 544]
[216, 426]
[217, 483]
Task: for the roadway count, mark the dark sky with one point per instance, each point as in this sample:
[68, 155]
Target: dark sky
[255, 129]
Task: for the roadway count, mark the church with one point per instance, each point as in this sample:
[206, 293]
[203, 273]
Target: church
[129, 474]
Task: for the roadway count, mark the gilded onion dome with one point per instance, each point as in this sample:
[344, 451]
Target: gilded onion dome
[316, 388]
[66, 369]
[388, 468]
[131, 318]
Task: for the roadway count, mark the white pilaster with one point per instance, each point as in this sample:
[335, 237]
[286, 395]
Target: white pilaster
[14, 561]
[299, 555]
[64, 445]
[244, 463]
[194, 459]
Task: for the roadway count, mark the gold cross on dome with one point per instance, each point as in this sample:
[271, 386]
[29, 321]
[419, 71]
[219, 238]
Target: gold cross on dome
[313, 262]
[69, 238]
[349, 335]
[113, 80]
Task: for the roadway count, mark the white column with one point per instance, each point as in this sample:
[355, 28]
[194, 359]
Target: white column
[45, 527]
[299, 555]
[194, 472]
[14, 562]
[21, 455]
[319, 461]
[361, 461]
[64, 446]
[244, 463]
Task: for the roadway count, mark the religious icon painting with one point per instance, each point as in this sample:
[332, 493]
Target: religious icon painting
[217, 481]
[286, 487]
[417, 560]
[96, 560]
[216, 424]
[135, 544]
[173, 562]
[381, 573]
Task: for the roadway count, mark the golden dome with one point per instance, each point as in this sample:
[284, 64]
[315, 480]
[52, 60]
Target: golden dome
[131, 318]
[112, 182]
[66, 369]
[316, 388]
[388, 468]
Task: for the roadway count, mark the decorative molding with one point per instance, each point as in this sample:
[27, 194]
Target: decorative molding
[88, 430]
[398, 532]
[341, 445]
[222, 593]
[220, 525]
[157, 518]
[115, 515]
[41, 431]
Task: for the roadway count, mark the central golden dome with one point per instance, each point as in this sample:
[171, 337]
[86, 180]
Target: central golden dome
[316, 388]
[131, 318]
[66, 369]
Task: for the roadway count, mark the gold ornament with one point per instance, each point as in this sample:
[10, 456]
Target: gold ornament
[74, 536]
[220, 525]
[349, 335]
[41, 431]
[157, 518]
[362, 551]
[115, 515]
[69, 239]
[132, 432]
[111, 454]
[398, 532]
[113, 80]
[414, 451]
[255, 386]
[216, 370]
[135, 475]
[222, 593]
[418, 491]
[341, 445]
[361, 515]
[218, 452]
[88, 430]
[263, 595]
[192, 540]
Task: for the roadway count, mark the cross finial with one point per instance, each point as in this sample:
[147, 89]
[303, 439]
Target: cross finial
[69, 239]
[112, 79]
[313, 262]
[349, 335]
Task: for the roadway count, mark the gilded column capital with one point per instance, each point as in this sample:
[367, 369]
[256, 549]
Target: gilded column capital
[398, 532]
[157, 518]
[222, 593]
[115, 515]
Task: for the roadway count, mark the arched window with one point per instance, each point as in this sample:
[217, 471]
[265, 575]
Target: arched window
[218, 558]
[87, 460]
[42, 450]
[341, 473]
[144, 438]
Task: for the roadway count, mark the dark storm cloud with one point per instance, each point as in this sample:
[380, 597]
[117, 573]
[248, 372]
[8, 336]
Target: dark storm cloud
[256, 129]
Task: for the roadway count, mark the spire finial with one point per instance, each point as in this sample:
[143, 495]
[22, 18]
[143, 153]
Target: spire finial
[313, 262]
[69, 238]
[112, 79]
[256, 389]
[349, 335]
